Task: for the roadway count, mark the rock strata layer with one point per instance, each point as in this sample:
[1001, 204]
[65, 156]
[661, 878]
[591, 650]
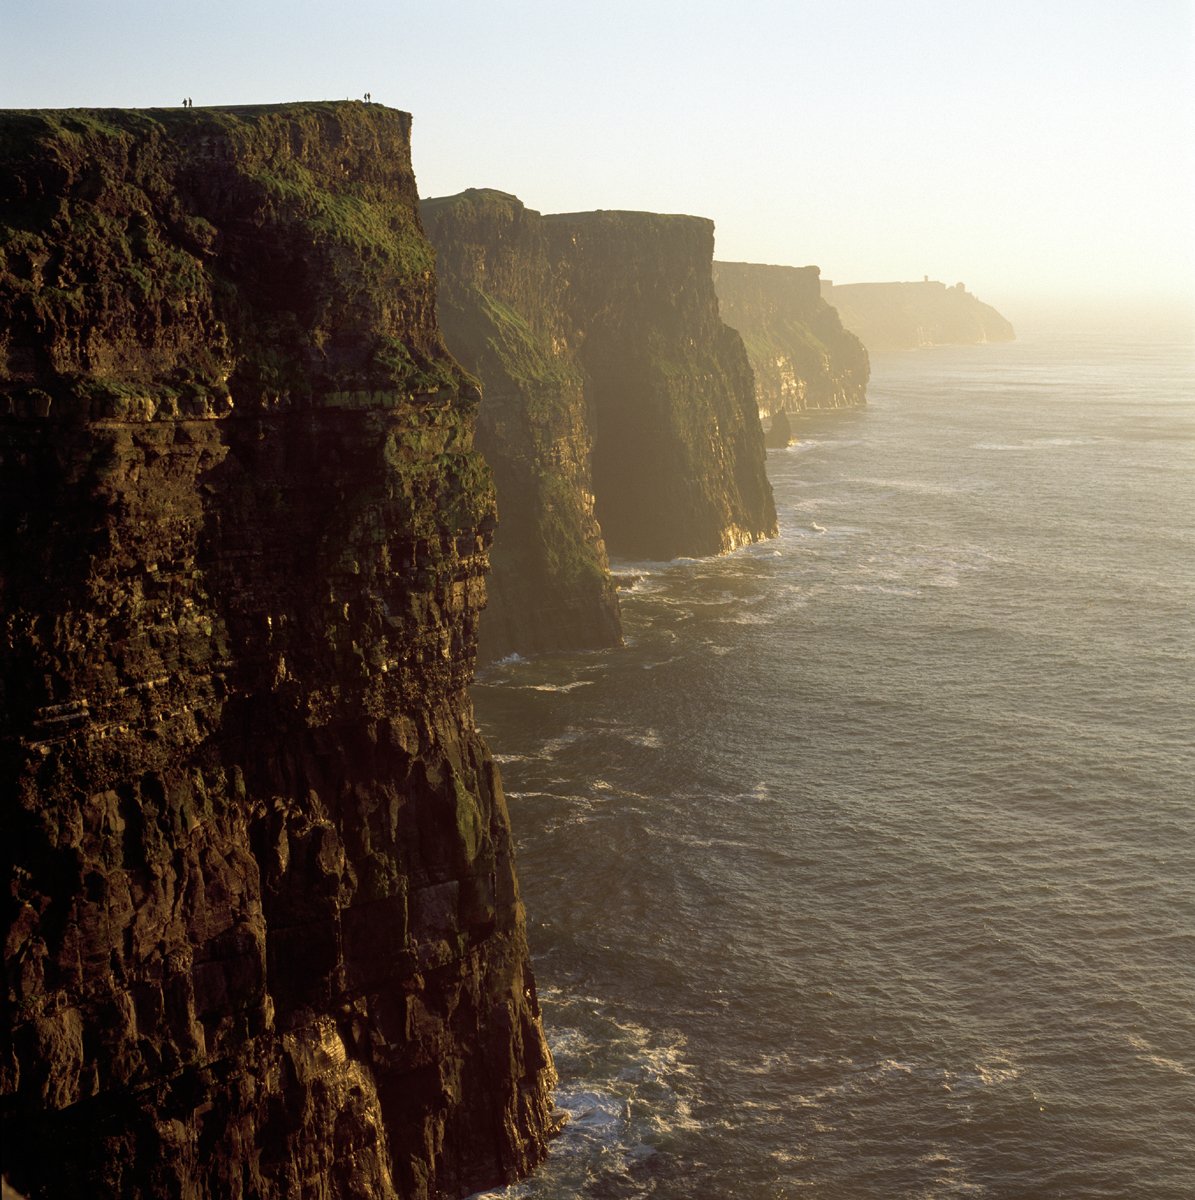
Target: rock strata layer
[802, 357]
[501, 307]
[263, 933]
[907, 316]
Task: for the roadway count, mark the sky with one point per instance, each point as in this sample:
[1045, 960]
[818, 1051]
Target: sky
[1042, 153]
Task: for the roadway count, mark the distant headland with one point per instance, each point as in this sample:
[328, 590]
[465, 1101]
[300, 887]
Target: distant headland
[905, 316]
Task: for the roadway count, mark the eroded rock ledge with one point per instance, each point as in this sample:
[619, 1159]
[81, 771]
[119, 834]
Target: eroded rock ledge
[263, 931]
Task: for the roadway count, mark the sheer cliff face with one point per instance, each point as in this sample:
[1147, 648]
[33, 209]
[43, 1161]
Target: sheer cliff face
[905, 316]
[500, 309]
[802, 357]
[263, 931]
[612, 386]
[678, 457]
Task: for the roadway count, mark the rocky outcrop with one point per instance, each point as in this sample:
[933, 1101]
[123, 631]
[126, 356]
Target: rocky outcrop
[802, 357]
[502, 312]
[678, 456]
[906, 316]
[263, 933]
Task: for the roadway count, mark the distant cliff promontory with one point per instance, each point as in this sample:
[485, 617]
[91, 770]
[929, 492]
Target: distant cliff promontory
[263, 934]
[611, 389]
[501, 306]
[905, 316]
[678, 457]
[802, 357]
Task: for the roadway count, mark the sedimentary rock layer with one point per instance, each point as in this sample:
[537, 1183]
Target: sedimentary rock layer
[263, 932]
[802, 357]
[905, 316]
[502, 312]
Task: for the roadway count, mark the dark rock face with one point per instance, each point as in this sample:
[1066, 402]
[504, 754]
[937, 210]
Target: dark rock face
[905, 316]
[501, 309]
[263, 933]
[802, 357]
[678, 454]
[779, 433]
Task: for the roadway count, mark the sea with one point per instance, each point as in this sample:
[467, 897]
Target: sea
[866, 869]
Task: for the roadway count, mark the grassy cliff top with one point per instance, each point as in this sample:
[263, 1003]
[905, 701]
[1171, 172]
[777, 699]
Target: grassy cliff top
[270, 251]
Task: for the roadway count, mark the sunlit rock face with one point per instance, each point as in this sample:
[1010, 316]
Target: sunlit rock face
[905, 316]
[802, 357]
[502, 312]
[678, 454]
[263, 931]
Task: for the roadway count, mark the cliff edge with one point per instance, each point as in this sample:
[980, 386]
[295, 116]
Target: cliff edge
[263, 934]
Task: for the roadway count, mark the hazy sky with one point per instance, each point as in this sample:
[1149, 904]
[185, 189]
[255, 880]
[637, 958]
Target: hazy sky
[1035, 150]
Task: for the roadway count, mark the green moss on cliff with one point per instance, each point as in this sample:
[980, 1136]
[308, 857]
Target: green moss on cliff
[524, 355]
[149, 244]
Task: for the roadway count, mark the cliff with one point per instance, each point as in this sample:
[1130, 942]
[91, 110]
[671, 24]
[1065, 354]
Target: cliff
[611, 390]
[678, 455]
[802, 357]
[501, 309]
[905, 316]
[263, 933]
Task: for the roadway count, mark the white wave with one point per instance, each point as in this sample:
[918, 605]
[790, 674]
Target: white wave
[915, 487]
[1149, 1054]
[997, 1068]
[553, 745]
[561, 687]
[789, 1158]
[649, 739]
[1039, 443]
[889, 1066]
[1169, 1064]
[1078, 440]
[663, 662]
[747, 618]
[885, 589]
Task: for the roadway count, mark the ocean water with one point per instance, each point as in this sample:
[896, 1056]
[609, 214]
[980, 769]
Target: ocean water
[867, 868]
